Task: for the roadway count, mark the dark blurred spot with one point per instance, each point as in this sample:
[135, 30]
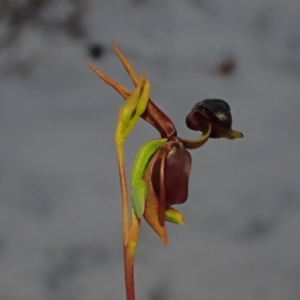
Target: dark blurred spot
[96, 50]
[227, 66]
[48, 17]
[65, 264]
[160, 292]
[258, 228]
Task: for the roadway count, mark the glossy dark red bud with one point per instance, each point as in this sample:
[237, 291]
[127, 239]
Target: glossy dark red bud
[214, 111]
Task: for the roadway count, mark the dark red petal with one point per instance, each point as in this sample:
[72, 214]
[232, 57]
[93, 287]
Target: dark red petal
[153, 207]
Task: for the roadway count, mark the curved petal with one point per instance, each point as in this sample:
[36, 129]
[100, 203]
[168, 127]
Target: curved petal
[194, 144]
[151, 213]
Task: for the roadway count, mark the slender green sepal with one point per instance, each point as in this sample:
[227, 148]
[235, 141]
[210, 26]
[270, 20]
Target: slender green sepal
[138, 185]
[129, 107]
[174, 216]
[140, 105]
[147, 150]
[133, 107]
[138, 197]
[144, 98]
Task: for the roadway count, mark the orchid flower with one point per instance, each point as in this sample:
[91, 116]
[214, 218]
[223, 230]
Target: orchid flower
[161, 170]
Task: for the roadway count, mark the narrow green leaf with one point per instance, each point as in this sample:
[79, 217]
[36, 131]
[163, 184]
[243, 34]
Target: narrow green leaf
[128, 109]
[139, 105]
[138, 197]
[138, 185]
[147, 150]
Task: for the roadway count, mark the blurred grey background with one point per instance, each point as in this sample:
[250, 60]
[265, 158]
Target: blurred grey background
[60, 231]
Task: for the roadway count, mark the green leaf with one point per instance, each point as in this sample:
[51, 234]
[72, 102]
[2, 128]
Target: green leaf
[142, 159]
[138, 185]
[138, 197]
[134, 106]
[128, 109]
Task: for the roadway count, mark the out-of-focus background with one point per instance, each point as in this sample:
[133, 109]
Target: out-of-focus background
[60, 235]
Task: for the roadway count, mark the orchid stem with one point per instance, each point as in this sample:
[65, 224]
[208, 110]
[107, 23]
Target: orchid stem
[124, 191]
[129, 256]
[130, 233]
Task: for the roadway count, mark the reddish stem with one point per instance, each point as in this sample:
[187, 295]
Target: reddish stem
[130, 233]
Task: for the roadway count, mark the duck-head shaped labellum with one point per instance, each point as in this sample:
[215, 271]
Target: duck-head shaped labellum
[167, 177]
[215, 112]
